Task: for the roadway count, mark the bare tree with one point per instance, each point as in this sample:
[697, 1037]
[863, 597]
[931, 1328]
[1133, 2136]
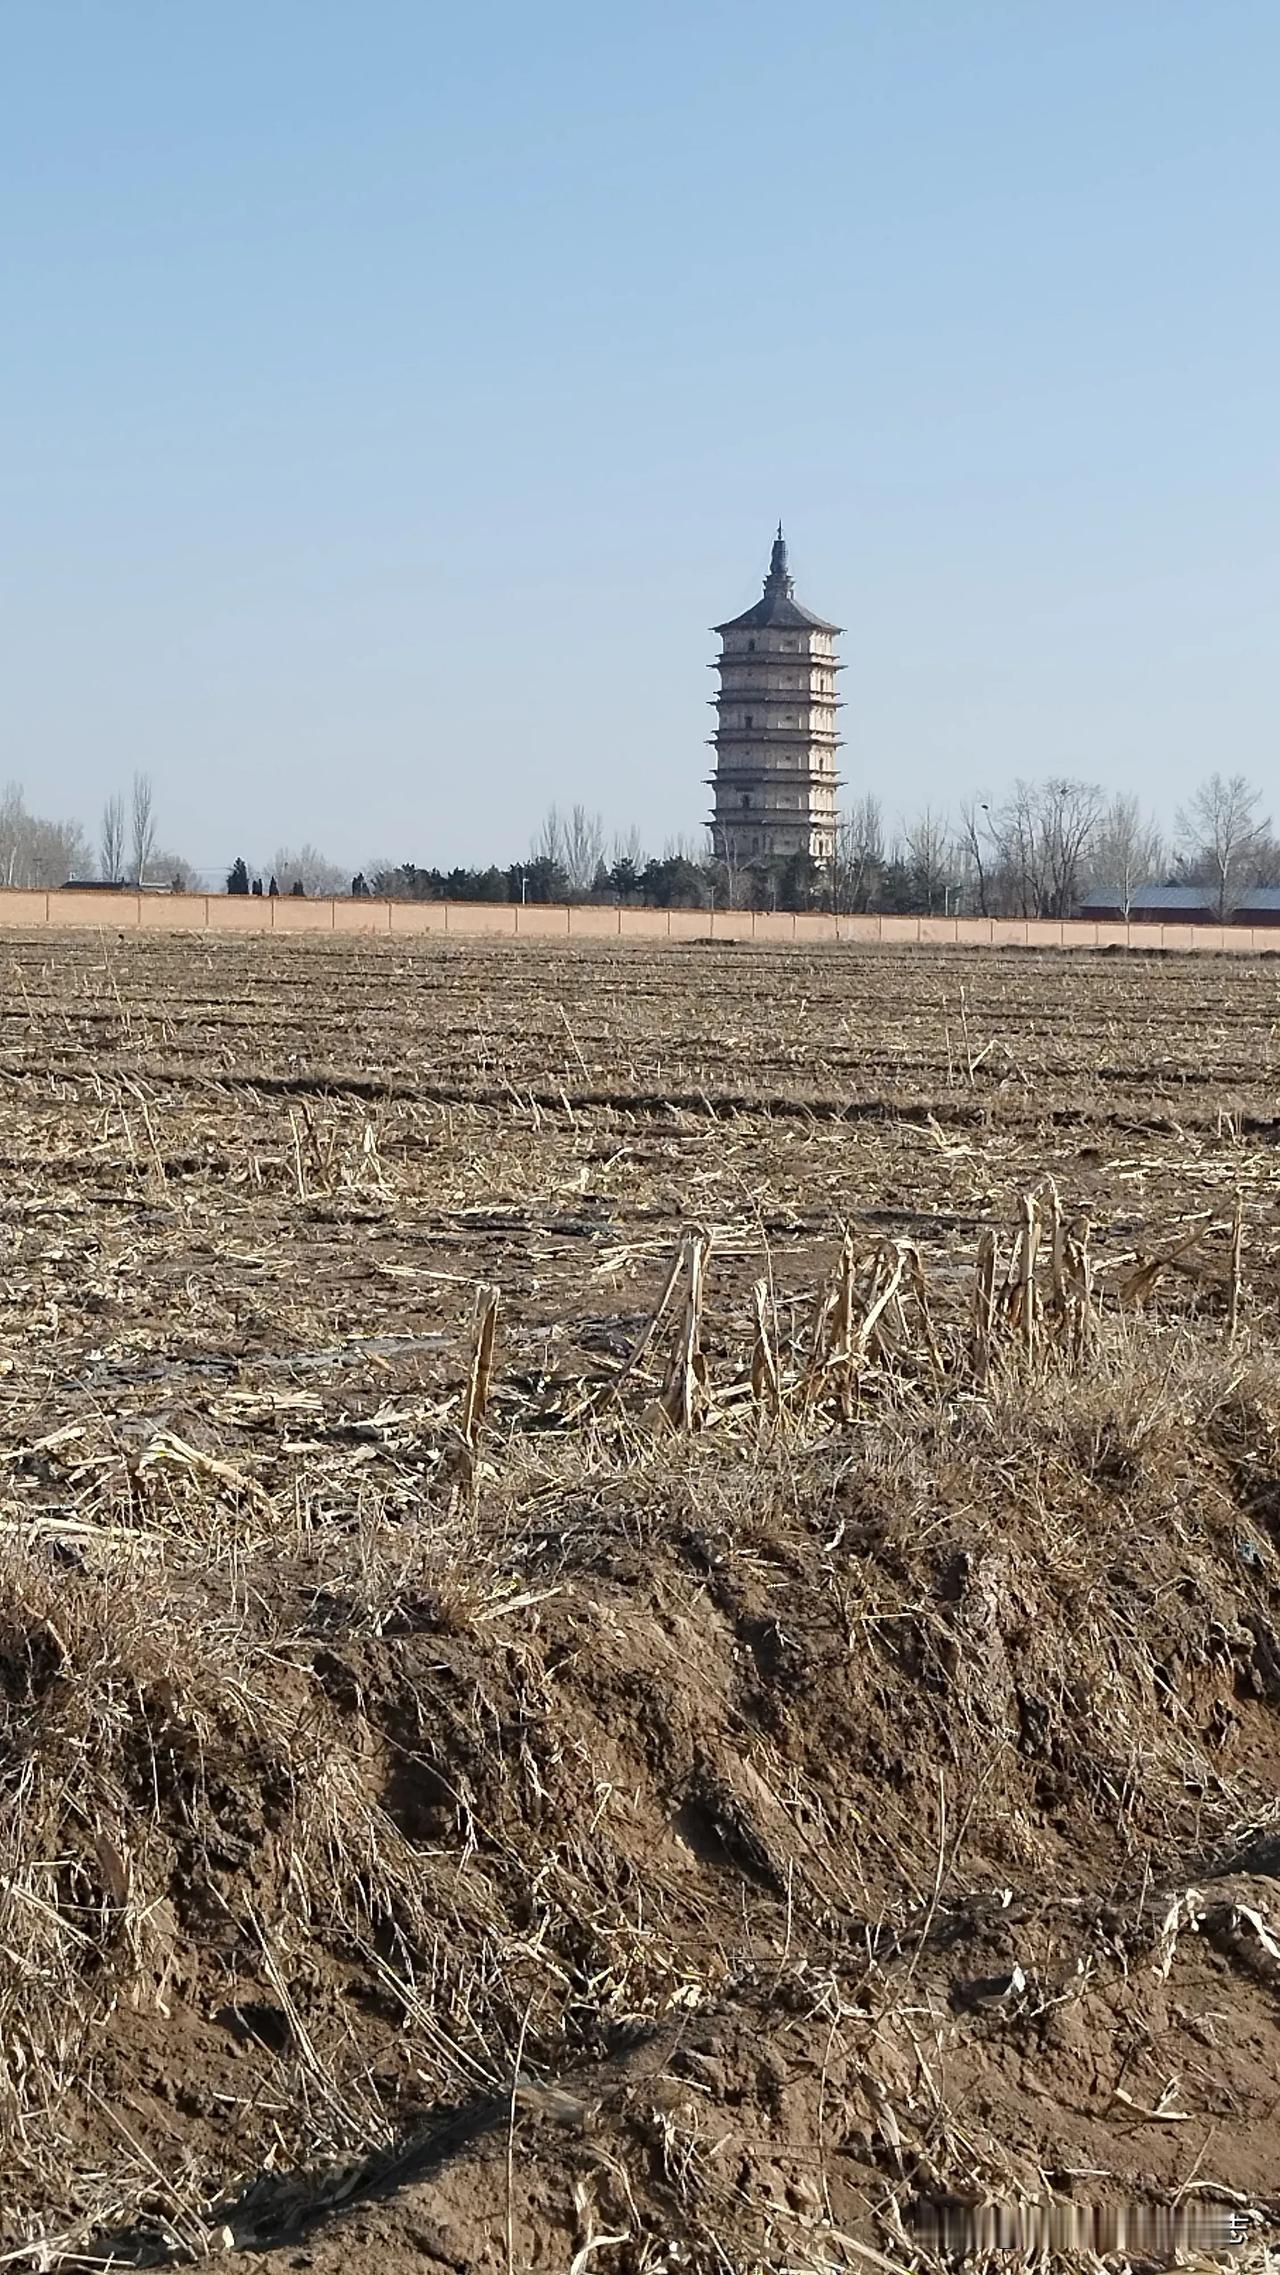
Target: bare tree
[1069, 814]
[930, 856]
[310, 869]
[584, 848]
[1126, 853]
[730, 878]
[172, 870]
[35, 852]
[1030, 851]
[575, 843]
[627, 846]
[975, 847]
[859, 857]
[1222, 838]
[549, 842]
[142, 827]
[111, 843]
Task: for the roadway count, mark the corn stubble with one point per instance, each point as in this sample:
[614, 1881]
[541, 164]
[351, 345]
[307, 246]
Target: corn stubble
[679, 1785]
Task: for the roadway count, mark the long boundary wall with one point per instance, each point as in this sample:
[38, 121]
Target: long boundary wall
[469, 920]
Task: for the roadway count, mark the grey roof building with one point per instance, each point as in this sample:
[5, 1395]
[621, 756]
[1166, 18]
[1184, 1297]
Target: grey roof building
[1181, 904]
[1194, 902]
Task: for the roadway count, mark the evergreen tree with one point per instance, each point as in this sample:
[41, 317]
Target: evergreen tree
[675, 883]
[799, 878]
[237, 877]
[544, 880]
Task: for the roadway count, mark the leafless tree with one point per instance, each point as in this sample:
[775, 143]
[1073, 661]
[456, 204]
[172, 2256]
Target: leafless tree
[170, 869]
[858, 857]
[111, 843]
[575, 842]
[734, 890]
[142, 828]
[308, 868]
[1069, 814]
[627, 846]
[584, 848]
[975, 853]
[1127, 852]
[549, 842]
[1222, 838]
[1020, 854]
[1030, 851]
[35, 852]
[929, 853]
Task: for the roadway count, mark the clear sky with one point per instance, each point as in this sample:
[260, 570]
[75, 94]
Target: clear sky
[393, 392]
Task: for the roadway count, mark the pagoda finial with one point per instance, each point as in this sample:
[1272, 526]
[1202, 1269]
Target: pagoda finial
[778, 577]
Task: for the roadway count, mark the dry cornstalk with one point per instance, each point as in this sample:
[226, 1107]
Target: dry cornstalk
[844, 1311]
[156, 1155]
[766, 1387]
[687, 1371]
[654, 1320]
[1079, 1323]
[1234, 1284]
[821, 1338]
[480, 1376]
[885, 1283]
[831, 1336]
[1024, 1296]
[299, 1168]
[1057, 1256]
[968, 1046]
[322, 1156]
[1138, 1284]
[847, 1319]
[914, 1263]
[166, 1448]
[985, 1277]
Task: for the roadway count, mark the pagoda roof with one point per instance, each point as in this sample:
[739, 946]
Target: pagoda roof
[777, 607]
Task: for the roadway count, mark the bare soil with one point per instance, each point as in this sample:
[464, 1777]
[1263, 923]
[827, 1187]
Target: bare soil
[577, 1840]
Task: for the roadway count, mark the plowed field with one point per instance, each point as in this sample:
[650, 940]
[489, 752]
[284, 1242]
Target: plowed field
[639, 1601]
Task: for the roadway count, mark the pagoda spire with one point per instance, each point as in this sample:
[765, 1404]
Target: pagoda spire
[778, 579]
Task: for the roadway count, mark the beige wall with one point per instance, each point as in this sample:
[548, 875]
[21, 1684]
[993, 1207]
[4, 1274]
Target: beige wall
[414, 916]
[220, 912]
[476, 920]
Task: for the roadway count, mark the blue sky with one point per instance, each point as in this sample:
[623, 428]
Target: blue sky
[393, 394]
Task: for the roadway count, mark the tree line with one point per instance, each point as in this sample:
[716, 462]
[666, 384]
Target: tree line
[1036, 851]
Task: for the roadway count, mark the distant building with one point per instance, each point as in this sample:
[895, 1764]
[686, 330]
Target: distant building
[1258, 905]
[775, 742]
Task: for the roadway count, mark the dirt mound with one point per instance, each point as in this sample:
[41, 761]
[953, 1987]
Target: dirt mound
[650, 1852]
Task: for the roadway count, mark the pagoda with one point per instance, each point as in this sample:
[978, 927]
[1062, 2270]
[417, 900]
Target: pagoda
[775, 742]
